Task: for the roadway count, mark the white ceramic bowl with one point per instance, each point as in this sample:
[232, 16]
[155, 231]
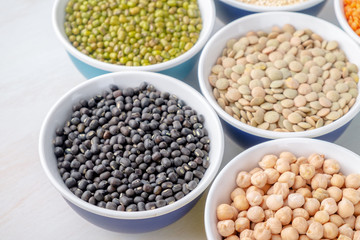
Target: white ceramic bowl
[140, 221]
[178, 67]
[245, 134]
[224, 183]
[258, 8]
[340, 16]
[229, 10]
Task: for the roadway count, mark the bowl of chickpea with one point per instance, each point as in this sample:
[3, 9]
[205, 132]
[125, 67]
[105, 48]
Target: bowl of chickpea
[278, 190]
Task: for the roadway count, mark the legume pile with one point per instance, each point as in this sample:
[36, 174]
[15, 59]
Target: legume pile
[272, 3]
[352, 14]
[133, 32]
[286, 80]
[132, 149]
[290, 197]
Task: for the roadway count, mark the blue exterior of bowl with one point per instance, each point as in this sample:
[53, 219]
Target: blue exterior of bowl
[227, 13]
[247, 140]
[134, 225]
[180, 72]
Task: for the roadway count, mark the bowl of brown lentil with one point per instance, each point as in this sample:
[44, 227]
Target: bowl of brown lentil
[117, 35]
[292, 188]
[268, 79]
[229, 10]
[129, 156]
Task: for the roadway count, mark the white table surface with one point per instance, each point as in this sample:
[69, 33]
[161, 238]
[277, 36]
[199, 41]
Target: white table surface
[36, 72]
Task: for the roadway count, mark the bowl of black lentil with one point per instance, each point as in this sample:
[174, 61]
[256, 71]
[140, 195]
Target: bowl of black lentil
[117, 35]
[131, 151]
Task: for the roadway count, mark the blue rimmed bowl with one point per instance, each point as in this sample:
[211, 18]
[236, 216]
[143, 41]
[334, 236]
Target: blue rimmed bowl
[244, 134]
[178, 67]
[140, 221]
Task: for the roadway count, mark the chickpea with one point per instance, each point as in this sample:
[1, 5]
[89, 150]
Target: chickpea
[268, 161]
[350, 221]
[274, 225]
[272, 175]
[357, 209]
[300, 212]
[322, 216]
[254, 198]
[289, 233]
[307, 171]
[295, 200]
[255, 214]
[343, 237]
[316, 160]
[287, 177]
[346, 230]
[315, 230]
[241, 203]
[282, 165]
[320, 194]
[352, 180]
[247, 233]
[243, 179]
[301, 160]
[330, 230]
[300, 224]
[289, 156]
[242, 214]
[305, 192]
[232, 237]
[337, 220]
[241, 224]
[274, 202]
[261, 232]
[226, 227]
[252, 189]
[266, 188]
[331, 166]
[299, 182]
[319, 181]
[276, 237]
[304, 237]
[225, 212]
[356, 235]
[335, 193]
[312, 205]
[352, 195]
[282, 189]
[284, 214]
[257, 169]
[294, 168]
[237, 191]
[263, 203]
[337, 180]
[329, 205]
[345, 208]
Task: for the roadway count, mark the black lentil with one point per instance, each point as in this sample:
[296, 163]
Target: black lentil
[132, 149]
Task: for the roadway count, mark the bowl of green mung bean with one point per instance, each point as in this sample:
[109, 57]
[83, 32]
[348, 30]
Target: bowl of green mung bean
[138, 35]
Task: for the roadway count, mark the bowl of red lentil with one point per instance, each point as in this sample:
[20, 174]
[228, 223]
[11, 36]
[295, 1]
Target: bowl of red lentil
[229, 10]
[286, 189]
[347, 14]
[268, 79]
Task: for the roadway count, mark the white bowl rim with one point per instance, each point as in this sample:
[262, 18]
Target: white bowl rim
[204, 36]
[276, 142]
[68, 195]
[256, 8]
[346, 118]
[339, 12]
